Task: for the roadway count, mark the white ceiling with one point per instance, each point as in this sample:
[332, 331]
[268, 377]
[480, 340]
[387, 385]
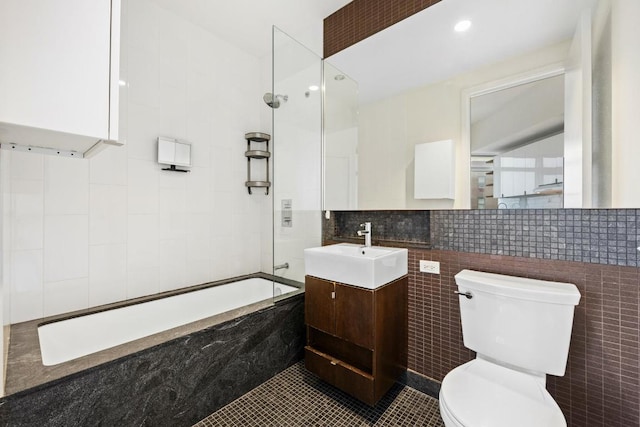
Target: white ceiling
[424, 48]
[247, 23]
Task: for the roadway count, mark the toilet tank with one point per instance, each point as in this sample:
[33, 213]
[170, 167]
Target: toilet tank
[522, 322]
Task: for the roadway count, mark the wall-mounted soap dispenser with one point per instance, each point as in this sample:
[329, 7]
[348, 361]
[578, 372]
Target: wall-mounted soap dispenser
[174, 153]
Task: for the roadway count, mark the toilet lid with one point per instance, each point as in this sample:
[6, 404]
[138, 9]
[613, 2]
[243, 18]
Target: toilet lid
[483, 394]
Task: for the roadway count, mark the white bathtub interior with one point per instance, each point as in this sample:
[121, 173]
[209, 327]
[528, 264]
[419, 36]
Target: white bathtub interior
[76, 337]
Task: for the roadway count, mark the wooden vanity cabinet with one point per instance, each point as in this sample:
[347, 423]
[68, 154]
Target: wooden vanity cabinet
[356, 337]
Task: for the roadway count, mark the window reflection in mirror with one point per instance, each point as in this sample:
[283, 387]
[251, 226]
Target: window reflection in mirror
[517, 146]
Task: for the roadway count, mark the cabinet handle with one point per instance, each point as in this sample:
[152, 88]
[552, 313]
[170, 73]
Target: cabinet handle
[333, 295]
[333, 363]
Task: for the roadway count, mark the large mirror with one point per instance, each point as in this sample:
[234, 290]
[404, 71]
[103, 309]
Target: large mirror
[502, 111]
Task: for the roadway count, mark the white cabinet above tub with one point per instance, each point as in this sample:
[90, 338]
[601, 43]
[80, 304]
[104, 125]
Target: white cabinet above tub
[59, 73]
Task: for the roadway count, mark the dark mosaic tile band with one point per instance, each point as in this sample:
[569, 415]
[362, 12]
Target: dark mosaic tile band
[598, 236]
[397, 226]
[362, 18]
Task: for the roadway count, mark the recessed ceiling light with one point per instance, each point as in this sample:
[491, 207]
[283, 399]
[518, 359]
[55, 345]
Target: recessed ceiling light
[462, 26]
[314, 87]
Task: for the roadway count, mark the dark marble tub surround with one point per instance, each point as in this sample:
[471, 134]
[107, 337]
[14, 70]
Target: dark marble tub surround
[175, 383]
[24, 365]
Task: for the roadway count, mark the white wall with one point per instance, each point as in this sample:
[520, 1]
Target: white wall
[625, 66]
[4, 295]
[89, 232]
[602, 119]
[389, 130]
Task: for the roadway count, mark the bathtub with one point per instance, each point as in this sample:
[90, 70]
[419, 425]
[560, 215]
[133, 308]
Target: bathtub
[72, 338]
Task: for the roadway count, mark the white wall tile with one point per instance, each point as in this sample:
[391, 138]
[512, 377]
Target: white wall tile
[222, 214]
[142, 190]
[27, 212]
[173, 214]
[201, 41]
[173, 37]
[199, 197]
[173, 112]
[66, 186]
[143, 81]
[26, 298]
[143, 132]
[172, 44]
[173, 264]
[65, 296]
[173, 180]
[200, 136]
[143, 28]
[142, 281]
[222, 165]
[66, 247]
[220, 265]
[26, 306]
[142, 255]
[110, 167]
[107, 214]
[199, 249]
[142, 242]
[26, 166]
[107, 274]
[26, 271]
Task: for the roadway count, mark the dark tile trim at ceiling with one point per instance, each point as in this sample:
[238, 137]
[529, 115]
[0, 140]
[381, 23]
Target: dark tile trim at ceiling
[362, 18]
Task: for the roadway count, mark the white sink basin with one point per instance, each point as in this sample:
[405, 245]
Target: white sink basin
[356, 265]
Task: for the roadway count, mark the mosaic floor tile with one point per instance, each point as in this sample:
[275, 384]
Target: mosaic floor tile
[296, 397]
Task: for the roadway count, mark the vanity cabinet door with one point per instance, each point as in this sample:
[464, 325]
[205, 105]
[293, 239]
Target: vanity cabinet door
[319, 307]
[354, 315]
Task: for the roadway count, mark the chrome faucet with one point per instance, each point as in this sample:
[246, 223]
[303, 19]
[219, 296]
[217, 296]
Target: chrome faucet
[366, 232]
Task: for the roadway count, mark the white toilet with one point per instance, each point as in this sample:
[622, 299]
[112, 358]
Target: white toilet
[520, 329]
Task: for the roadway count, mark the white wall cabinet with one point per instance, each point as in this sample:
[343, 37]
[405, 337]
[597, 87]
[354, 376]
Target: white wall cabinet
[59, 73]
[434, 172]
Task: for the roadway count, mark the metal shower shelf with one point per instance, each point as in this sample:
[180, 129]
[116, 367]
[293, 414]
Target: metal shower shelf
[256, 154]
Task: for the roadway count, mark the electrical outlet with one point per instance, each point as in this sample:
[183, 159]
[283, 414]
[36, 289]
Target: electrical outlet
[432, 267]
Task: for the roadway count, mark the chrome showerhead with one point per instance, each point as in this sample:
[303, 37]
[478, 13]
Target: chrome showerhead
[274, 101]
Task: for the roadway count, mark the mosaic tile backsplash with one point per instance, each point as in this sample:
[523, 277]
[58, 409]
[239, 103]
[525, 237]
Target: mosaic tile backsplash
[397, 226]
[598, 236]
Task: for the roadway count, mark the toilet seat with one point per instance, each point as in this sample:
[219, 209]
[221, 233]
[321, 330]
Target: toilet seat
[484, 394]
